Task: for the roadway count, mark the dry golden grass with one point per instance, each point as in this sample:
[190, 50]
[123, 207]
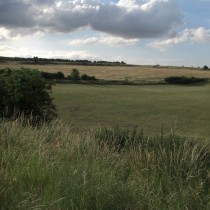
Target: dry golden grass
[117, 72]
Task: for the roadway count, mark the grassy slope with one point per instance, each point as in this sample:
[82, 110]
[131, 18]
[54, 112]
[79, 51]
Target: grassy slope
[185, 108]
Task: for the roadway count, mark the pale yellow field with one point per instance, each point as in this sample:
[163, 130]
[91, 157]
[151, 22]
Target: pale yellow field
[117, 72]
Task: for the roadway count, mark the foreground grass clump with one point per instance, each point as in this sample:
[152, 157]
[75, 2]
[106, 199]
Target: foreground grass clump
[52, 167]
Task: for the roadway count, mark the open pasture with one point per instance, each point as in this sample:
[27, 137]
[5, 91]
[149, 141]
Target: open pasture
[117, 72]
[185, 109]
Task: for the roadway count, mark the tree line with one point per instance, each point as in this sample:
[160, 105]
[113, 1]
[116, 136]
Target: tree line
[37, 60]
[74, 76]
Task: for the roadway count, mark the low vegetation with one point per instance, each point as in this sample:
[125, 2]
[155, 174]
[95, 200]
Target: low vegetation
[74, 76]
[51, 167]
[184, 80]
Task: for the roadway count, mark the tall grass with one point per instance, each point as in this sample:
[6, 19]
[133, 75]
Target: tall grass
[51, 167]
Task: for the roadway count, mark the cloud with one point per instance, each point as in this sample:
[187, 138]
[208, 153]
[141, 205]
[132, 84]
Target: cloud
[103, 39]
[193, 35]
[14, 14]
[126, 18]
[138, 19]
[7, 50]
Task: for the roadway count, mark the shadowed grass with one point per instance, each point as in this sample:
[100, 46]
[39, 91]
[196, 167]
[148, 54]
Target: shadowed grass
[51, 167]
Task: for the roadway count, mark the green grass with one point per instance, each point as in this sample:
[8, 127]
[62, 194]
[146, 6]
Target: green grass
[76, 165]
[185, 109]
[51, 167]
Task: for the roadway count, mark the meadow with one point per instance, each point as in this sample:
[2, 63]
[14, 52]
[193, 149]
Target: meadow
[120, 147]
[184, 109]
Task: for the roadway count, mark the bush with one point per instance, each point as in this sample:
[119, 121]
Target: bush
[86, 77]
[184, 80]
[51, 76]
[75, 76]
[25, 91]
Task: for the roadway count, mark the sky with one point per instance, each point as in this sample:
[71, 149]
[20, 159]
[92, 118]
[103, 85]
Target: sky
[144, 32]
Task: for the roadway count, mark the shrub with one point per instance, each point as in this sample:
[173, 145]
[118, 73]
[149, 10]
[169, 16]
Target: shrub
[184, 80]
[26, 92]
[51, 76]
[86, 77]
[75, 76]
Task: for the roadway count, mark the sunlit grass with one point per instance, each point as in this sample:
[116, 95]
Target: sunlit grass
[118, 72]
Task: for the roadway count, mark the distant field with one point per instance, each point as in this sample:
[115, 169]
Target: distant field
[118, 72]
[182, 108]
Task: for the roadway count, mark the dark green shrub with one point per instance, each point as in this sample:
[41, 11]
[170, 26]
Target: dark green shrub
[184, 80]
[26, 92]
[52, 76]
[86, 77]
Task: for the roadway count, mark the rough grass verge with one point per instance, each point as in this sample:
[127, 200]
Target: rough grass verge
[51, 167]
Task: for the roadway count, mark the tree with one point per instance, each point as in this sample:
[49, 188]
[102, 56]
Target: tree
[75, 75]
[36, 60]
[205, 68]
[26, 92]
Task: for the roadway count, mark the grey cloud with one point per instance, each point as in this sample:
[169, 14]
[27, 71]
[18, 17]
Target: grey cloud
[66, 21]
[141, 19]
[14, 14]
[137, 23]
[43, 2]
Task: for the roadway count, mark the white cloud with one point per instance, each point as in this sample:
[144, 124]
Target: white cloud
[6, 50]
[193, 35]
[126, 18]
[4, 33]
[103, 39]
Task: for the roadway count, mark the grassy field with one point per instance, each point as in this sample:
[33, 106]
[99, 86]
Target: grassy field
[182, 108]
[185, 109]
[78, 163]
[118, 72]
